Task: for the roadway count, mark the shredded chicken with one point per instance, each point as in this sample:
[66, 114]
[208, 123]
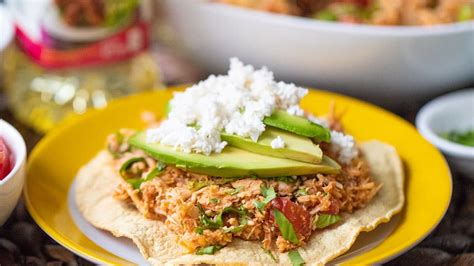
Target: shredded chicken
[378, 12]
[174, 196]
[189, 202]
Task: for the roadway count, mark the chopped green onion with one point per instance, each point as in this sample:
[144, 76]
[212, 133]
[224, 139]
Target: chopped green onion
[125, 168]
[242, 212]
[325, 220]
[133, 179]
[286, 227]
[136, 180]
[217, 222]
[295, 258]
[209, 250]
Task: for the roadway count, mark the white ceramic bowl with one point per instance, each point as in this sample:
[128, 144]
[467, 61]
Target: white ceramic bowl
[454, 111]
[12, 185]
[383, 64]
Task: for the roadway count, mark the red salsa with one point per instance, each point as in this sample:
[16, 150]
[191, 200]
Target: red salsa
[6, 160]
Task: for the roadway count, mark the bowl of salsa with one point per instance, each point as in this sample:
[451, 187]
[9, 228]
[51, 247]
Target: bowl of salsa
[12, 168]
[448, 123]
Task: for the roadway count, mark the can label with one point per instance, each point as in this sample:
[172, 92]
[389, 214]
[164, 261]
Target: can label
[54, 44]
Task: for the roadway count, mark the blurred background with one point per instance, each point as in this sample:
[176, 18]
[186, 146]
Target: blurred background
[60, 58]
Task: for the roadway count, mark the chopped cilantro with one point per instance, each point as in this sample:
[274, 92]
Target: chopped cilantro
[295, 258]
[269, 194]
[214, 200]
[325, 220]
[286, 227]
[270, 254]
[302, 191]
[209, 250]
[235, 191]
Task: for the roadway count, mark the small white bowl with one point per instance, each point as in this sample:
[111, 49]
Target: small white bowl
[453, 111]
[384, 64]
[12, 185]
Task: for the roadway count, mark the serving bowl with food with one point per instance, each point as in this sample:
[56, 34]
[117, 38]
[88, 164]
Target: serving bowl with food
[374, 12]
[448, 123]
[87, 21]
[12, 168]
[235, 169]
[382, 63]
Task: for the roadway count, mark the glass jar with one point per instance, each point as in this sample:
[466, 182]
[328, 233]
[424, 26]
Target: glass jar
[65, 62]
[41, 98]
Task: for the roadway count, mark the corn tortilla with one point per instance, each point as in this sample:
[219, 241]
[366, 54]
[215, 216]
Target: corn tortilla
[97, 180]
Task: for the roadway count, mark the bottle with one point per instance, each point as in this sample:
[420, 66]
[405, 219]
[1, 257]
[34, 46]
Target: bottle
[74, 55]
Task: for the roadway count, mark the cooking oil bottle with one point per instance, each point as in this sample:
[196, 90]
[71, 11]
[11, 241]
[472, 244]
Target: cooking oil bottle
[70, 56]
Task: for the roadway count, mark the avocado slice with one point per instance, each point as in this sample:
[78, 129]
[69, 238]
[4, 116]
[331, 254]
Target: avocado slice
[296, 147]
[298, 125]
[232, 162]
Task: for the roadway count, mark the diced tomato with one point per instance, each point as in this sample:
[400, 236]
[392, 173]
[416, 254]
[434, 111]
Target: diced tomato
[334, 207]
[296, 214]
[5, 160]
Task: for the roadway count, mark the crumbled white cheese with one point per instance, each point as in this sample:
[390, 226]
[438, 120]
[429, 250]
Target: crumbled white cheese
[278, 143]
[295, 110]
[344, 145]
[318, 120]
[235, 103]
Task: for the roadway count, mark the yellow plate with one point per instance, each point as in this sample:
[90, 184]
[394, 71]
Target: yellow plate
[55, 160]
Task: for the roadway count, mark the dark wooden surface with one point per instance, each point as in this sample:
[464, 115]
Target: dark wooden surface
[22, 242]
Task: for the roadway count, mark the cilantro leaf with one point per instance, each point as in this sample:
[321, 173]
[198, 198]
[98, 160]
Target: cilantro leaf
[206, 221]
[260, 205]
[197, 185]
[325, 220]
[235, 191]
[286, 227]
[269, 194]
[270, 254]
[302, 191]
[209, 250]
[295, 258]
[214, 200]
